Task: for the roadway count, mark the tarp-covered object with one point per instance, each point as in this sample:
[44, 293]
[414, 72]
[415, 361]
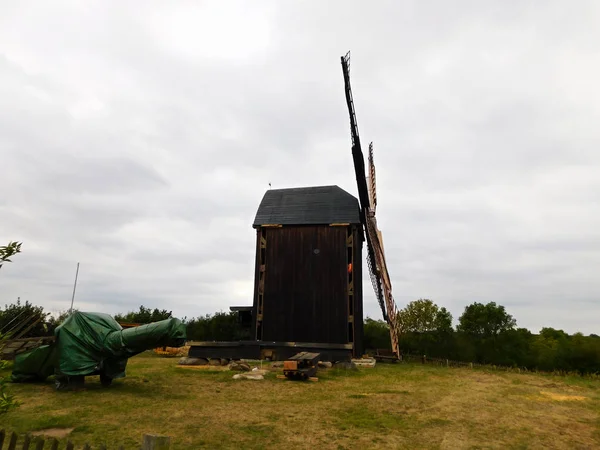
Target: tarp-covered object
[95, 343]
[34, 365]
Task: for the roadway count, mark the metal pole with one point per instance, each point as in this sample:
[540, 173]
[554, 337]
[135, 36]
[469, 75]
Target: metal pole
[74, 286]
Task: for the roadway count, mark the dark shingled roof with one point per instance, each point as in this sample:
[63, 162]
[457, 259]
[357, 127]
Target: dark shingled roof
[321, 205]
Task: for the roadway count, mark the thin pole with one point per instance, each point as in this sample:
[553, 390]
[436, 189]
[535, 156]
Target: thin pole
[74, 286]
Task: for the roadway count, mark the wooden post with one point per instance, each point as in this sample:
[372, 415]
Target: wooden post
[27, 442]
[12, 444]
[154, 442]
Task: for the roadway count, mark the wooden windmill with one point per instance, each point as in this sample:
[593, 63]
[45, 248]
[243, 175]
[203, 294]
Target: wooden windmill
[368, 202]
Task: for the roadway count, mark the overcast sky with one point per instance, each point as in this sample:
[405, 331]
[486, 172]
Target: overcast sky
[138, 138]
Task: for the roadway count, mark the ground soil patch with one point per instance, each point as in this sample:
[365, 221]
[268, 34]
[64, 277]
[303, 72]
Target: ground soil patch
[53, 432]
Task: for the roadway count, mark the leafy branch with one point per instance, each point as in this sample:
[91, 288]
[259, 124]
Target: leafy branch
[8, 251]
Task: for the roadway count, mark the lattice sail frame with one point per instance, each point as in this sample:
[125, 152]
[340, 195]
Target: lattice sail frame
[372, 180]
[380, 272]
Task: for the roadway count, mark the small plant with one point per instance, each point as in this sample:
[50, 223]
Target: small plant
[7, 400]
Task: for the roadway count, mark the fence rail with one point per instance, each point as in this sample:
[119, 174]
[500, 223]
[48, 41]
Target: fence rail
[29, 442]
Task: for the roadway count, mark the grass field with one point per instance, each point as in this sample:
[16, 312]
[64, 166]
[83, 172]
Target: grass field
[390, 406]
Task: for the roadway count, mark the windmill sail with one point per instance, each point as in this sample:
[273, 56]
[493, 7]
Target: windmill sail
[372, 181]
[368, 202]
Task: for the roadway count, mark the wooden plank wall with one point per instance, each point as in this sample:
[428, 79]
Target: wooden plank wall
[358, 294]
[306, 284]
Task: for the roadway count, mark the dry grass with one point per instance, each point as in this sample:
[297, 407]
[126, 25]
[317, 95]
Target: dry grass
[390, 406]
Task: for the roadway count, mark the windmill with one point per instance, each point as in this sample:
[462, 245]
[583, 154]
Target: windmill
[368, 202]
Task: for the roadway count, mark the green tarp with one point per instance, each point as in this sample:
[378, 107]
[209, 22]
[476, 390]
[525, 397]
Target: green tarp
[95, 343]
[34, 365]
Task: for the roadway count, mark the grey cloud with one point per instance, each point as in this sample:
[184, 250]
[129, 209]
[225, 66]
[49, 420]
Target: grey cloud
[141, 146]
[99, 175]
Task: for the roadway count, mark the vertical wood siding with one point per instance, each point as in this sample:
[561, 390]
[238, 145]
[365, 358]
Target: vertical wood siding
[306, 285]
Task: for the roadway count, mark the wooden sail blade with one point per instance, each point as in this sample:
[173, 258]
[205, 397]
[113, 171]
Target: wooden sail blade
[374, 274]
[384, 272]
[381, 272]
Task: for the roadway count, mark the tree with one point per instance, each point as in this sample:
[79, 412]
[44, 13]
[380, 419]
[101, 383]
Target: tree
[485, 320]
[552, 349]
[376, 335]
[52, 322]
[8, 251]
[17, 317]
[443, 321]
[422, 316]
[514, 348]
[483, 329]
[551, 333]
[426, 329]
[144, 315]
[220, 326]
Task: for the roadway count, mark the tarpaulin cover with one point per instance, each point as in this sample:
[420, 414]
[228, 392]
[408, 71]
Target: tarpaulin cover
[90, 343]
[34, 365]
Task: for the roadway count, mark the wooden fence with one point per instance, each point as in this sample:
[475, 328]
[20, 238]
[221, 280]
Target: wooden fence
[149, 442]
[450, 363]
[438, 361]
[13, 347]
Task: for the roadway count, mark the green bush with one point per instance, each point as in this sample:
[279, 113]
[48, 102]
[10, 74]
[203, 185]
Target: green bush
[7, 400]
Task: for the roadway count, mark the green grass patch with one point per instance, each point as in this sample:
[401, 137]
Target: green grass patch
[388, 406]
[357, 396]
[364, 418]
[259, 431]
[393, 392]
